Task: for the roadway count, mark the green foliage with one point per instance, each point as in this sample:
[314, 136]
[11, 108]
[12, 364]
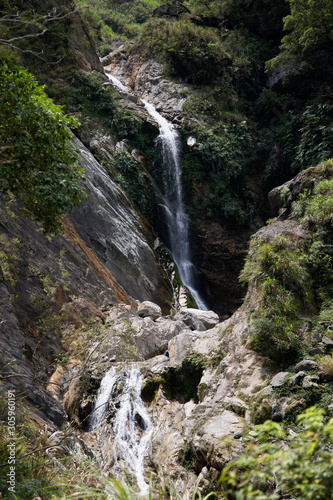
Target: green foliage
[316, 136]
[38, 163]
[277, 275]
[31, 478]
[278, 463]
[315, 213]
[305, 47]
[88, 94]
[193, 52]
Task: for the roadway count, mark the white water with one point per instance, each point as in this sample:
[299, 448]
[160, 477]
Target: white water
[174, 209]
[102, 402]
[133, 429]
[132, 426]
[116, 82]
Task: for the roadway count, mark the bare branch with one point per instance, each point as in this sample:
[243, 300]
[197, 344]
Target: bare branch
[32, 35]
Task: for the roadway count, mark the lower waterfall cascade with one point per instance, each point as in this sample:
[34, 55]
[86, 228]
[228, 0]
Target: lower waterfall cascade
[132, 426]
[173, 207]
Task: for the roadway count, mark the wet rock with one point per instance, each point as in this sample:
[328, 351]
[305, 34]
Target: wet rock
[279, 379]
[208, 318]
[307, 365]
[109, 225]
[149, 309]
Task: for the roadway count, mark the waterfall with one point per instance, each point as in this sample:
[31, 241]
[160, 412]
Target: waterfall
[133, 429]
[102, 402]
[174, 209]
[132, 426]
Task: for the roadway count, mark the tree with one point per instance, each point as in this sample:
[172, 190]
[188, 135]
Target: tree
[307, 44]
[279, 463]
[38, 162]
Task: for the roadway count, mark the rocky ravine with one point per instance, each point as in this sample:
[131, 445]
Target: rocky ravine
[219, 251]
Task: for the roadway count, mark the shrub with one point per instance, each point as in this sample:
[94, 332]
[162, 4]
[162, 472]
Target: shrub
[278, 464]
[279, 282]
[326, 365]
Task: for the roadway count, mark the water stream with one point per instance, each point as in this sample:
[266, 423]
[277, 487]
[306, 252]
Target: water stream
[173, 208]
[132, 426]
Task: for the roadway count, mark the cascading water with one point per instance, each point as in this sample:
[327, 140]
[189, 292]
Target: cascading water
[133, 429]
[174, 209]
[132, 426]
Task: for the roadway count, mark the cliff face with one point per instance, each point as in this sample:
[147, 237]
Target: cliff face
[50, 281]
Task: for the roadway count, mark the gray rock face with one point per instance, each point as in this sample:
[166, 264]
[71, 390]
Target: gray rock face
[279, 379]
[16, 369]
[130, 337]
[150, 309]
[109, 225]
[284, 195]
[307, 365]
[146, 81]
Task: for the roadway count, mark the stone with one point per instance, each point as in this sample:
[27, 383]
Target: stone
[108, 224]
[316, 350]
[328, 343]
[238, 434]
[278, 411]
[296, 379]
[208, 318]
[310, 381]
[170, 10]
[149, 309]
[191, 141]
[191, 321]
[316, 336]
[307, 365]
[279, 379]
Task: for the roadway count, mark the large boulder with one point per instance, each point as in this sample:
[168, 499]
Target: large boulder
[149, 309]
[208, 318]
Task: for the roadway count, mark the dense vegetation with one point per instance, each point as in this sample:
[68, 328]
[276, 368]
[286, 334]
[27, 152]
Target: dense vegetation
[38, 161]
[259, 75]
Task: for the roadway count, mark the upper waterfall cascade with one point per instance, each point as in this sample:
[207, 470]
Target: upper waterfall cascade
[132, 426]
[173, 208]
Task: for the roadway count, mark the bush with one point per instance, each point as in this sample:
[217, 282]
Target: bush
[278, 464]
[280, 284]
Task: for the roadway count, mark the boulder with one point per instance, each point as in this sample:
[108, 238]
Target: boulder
[149, 309]
[307, 365]
[208, 318]
[279, 379]
[310, 381]
[296, 379]
[170, 10]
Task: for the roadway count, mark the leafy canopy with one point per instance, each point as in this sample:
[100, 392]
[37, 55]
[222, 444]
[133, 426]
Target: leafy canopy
[38, 162]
